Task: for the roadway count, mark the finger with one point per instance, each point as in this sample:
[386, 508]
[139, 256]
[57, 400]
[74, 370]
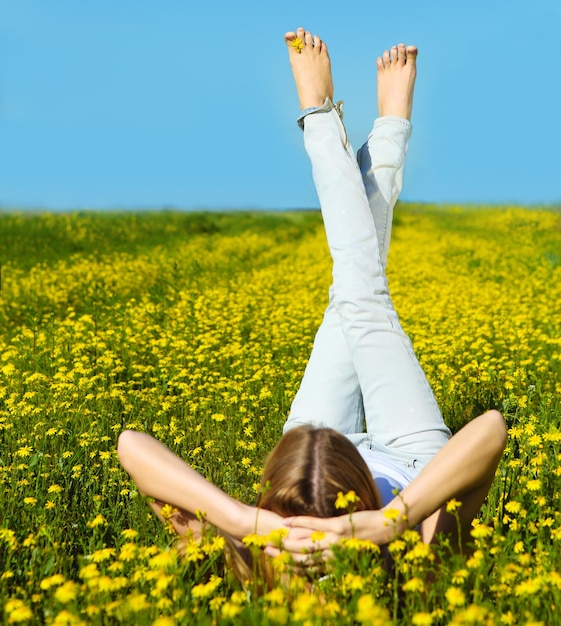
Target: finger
[272, 551]
[299, 560]
[311, 560]
[306, 521]
[299, 533]
[306, 546]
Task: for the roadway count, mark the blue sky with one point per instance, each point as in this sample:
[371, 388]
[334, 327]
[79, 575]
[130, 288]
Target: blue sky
[144, 104]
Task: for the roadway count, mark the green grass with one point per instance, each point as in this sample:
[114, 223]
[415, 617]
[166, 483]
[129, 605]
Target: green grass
[165, 322]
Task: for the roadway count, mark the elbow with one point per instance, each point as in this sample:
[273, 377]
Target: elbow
[125, 448]
[496, 431]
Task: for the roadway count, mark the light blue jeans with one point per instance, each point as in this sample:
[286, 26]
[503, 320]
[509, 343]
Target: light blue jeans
[363, 378]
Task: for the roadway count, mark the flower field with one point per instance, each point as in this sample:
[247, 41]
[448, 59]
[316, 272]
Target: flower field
[196, 328]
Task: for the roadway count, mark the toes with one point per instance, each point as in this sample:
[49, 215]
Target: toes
[401, 53]
[293, 42]
[313, 42]
[290, 36]
[412, 53]
[397, 56]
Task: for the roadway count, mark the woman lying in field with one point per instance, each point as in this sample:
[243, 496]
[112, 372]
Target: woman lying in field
[365, 418]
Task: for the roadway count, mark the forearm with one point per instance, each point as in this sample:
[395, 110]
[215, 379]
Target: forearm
[465, 463]
[160, 474]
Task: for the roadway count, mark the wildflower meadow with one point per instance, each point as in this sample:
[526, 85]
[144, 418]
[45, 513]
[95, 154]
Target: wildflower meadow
[196, 328]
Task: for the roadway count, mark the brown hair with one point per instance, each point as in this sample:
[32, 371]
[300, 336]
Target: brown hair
[308, 468]
[303, 475]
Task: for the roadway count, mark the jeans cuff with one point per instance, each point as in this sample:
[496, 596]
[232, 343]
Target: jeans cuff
[324, 108]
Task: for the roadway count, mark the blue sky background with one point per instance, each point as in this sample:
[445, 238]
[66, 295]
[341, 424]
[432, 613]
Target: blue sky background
[144, 104]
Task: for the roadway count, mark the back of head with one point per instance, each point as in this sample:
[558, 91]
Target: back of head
[308, 468]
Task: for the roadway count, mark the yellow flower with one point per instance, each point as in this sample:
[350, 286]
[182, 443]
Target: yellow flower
[129, 533]
[513, 506]
[528, 587]
[481, 531]
[164, 559]
[473, 614]
[214, 546]
[393, 515]
[98, 520]
[518, 547]
[89, 571]
[475, 560]
[277, 614]
[215, 603]
[411, 536]
[192, 551]
[455, 596]
[163, 621]
[163, 604]
[353, 582]
[258, 541]
[359, 545]
[397, 545]
[51, 581]
[343, 500]
[239, 597]
[414, 584]
[420, 551]
[17, 611]
[275, 596]
[304, 606]
[67, 592]
[167, 511]
[230, 610]
[298, 44]
[9, 537]
[128, 552]
[370, 613]
[8, 369]
[459, 576]
[65, 618]
[102, 555]
[204, 590]
[453, 505]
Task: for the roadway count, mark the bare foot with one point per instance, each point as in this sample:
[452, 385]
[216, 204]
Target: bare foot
[396, 80]
[311, 67]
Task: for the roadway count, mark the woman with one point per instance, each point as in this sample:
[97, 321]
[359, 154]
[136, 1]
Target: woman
[362, 372]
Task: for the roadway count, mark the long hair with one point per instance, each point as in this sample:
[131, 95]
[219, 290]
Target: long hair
[308, 468]
[303, 475]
